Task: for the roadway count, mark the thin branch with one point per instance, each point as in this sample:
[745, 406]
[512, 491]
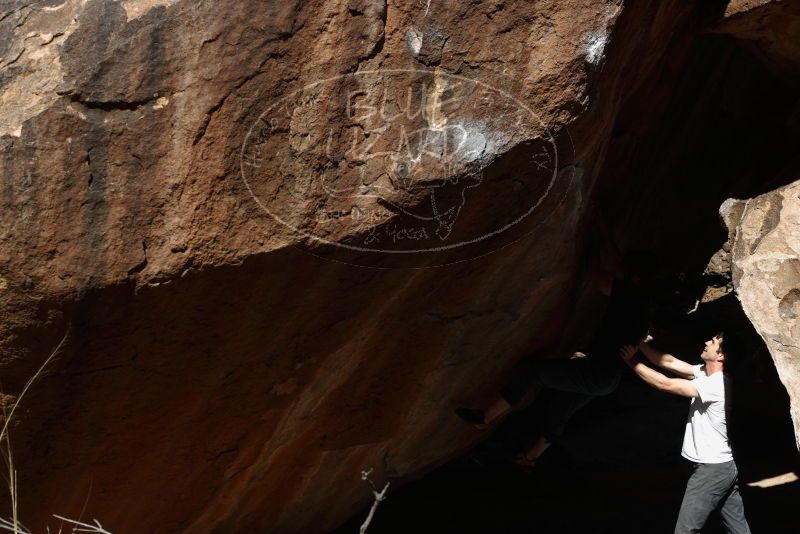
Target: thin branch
[80, 516]
[34, 377]
[379, 497]
[97, 527]
[14, 526]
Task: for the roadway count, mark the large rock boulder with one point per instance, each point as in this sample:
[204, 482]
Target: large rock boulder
[764, 256]
[769, 29]
[212, 197]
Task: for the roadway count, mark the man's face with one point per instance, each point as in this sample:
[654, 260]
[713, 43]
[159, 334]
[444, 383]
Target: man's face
[710, 353]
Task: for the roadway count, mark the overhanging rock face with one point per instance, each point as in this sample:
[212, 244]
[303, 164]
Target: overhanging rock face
[769, 29]
[765, 262]
[162, 162]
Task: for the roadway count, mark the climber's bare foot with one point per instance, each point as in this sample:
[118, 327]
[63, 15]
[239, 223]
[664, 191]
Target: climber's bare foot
[473, 417]
[484, 419]
[526, 460]
[498, 409]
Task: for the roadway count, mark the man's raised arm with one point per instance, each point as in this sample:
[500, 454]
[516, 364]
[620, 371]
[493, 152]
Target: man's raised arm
[667, 361]
[677, 386]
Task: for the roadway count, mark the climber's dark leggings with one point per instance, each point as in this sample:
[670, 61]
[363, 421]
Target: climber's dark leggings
[574, 382]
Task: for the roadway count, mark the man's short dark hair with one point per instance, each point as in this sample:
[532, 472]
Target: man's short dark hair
[730, 344]
[721, 348]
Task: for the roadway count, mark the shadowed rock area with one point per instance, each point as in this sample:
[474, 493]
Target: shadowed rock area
[288, 238]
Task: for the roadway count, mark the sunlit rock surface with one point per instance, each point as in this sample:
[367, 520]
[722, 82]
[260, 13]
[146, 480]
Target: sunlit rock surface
[765, 262]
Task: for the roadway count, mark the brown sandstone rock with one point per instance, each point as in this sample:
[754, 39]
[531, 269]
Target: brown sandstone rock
[218, 376]
[768, 28]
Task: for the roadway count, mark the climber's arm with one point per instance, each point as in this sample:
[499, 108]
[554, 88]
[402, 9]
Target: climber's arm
[677, 386]
[666, 361]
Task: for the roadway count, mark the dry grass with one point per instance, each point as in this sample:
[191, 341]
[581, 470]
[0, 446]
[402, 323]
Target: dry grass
[13, 524]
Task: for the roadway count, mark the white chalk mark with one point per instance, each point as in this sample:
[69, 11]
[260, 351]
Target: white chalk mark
[596, 41]
[595, 46]
[414, 41]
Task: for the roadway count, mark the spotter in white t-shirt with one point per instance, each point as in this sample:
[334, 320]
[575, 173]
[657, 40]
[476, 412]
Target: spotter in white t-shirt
[706, 437]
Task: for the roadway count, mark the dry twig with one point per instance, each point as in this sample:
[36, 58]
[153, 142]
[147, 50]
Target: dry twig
[379, 496]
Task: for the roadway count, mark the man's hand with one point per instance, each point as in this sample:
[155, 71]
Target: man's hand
[667, 361]
[677, 386]
[626, 353]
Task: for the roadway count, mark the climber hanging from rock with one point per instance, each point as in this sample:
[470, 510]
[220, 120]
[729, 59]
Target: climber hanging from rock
[593, 372]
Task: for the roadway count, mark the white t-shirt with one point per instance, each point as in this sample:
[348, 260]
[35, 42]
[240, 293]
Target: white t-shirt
[706, 437]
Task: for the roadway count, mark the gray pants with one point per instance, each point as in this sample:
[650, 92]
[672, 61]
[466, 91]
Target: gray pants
[711, 487]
